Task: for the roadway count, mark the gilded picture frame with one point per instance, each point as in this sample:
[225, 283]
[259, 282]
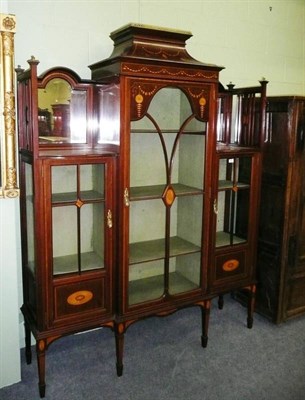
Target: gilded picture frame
[8, 140]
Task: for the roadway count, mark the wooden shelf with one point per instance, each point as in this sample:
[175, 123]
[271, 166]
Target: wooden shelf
[223, 239]
[186, 132]
[68, 264]
[71, 197]
[156, 191]
[152, 288]
[155, 249]
[226, 184]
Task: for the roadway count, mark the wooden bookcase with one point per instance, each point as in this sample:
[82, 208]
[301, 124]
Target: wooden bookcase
[281, 258]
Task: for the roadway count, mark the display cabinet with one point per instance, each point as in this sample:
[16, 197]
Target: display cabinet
[138, 196]
[169, 254]
[67, 211]
[167, 140]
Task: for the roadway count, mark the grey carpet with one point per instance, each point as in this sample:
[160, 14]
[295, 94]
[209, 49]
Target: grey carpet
[164, 360]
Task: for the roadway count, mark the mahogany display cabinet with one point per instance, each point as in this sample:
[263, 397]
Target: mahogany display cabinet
[137, 198]
[186, 232]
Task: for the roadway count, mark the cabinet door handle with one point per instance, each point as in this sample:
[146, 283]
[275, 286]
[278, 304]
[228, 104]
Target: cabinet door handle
[215, 207]
[109, 219]
[126, 197]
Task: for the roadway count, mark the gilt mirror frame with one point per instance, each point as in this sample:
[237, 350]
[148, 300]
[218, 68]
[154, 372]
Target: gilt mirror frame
[8, 172]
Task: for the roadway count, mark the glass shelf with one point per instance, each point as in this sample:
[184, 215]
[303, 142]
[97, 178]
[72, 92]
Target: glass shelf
[153, 287]
[156, 191]
[155, 249]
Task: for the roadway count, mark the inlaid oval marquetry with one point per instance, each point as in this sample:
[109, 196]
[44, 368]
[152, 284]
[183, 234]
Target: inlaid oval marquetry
[80, 297]
[230, 265]
[169, 196]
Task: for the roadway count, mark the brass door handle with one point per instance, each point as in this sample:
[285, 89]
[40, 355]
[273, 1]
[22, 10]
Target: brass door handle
[215, 206]
[109, 219]
[126, 198]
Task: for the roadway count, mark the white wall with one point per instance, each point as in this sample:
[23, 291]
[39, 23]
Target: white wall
[251, 38]
[10, 284]
[10, 288]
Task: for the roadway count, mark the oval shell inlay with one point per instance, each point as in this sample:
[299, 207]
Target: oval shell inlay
[230, 265]
[80, 297]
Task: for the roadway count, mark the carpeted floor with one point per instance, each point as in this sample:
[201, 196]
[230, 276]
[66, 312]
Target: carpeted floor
[164, 360]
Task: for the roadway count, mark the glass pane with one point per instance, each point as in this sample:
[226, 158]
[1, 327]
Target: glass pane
[64, 183]
[189, 161]
[78, 229]
[92, 236]
[30, 216]
[146, 281]
[233, 201]
[184, 273]
[64, 228]
[61, 113]
[78, 116]
[109, 114]
[92, 181]
[147, 165]
[167, 153]
[147, 221]
[146, 249]
[188, 212]
[185, 243]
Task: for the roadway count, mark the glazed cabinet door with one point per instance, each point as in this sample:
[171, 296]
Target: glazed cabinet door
[79, 205]
[235, 213]
[32, 283]
[164, 193]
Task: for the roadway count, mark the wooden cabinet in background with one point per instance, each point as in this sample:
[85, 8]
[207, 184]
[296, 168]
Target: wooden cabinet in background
[281, 250]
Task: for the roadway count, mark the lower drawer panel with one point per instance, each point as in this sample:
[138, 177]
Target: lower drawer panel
[229, 267]
[75, 298]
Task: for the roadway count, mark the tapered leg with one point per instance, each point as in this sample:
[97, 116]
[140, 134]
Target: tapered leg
[205, 315]
[119, 344]
[41, 352]
[251, 306]
[220, 301]
[28, 350]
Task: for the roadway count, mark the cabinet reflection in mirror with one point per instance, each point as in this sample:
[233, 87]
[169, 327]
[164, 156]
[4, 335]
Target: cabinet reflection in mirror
[61, 113]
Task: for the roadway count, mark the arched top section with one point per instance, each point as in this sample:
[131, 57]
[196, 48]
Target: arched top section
[60, 72]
